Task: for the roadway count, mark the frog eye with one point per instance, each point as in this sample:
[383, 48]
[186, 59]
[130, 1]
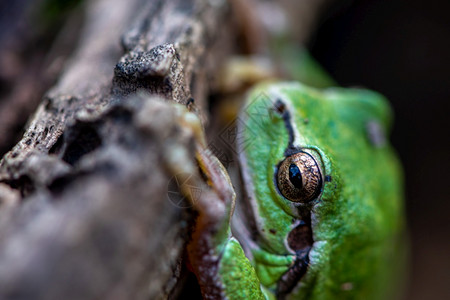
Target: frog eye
[299, 178]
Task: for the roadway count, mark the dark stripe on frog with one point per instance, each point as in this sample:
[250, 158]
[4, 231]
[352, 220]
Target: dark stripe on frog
[292, 277]
[280, 107]
[300, 238]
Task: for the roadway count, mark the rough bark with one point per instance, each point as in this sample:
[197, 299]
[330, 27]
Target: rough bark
[84, 206]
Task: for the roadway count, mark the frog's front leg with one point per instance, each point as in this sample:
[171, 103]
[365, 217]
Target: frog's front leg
[217, 259]
[222, 269]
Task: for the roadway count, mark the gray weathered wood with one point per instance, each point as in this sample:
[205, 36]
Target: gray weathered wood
[84, 208]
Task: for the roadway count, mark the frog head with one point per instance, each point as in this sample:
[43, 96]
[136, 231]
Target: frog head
[321, 177]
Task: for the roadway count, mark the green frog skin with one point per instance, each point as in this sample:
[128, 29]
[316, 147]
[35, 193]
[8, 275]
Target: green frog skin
[322, 212]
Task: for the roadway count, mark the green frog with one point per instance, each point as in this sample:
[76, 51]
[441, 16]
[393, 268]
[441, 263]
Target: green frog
[321, 215]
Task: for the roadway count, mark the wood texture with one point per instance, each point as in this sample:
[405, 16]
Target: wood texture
[84, 206]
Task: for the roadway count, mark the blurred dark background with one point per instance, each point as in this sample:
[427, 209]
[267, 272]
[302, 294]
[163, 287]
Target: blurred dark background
[402, 49]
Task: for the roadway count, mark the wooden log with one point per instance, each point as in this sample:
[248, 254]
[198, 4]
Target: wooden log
[85, 211]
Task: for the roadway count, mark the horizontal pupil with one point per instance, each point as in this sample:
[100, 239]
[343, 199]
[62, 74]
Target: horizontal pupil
[295, 176]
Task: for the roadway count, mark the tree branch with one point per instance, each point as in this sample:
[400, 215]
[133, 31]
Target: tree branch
[93, 218]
